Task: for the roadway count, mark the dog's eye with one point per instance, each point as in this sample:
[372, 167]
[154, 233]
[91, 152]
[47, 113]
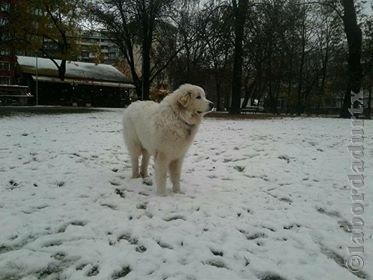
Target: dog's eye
[198, 97]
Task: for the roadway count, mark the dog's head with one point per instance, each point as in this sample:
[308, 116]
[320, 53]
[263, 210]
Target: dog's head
[191, 100]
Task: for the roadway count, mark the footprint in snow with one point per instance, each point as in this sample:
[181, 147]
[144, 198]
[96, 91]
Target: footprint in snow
[128, 238]
[140, 249]
[291, 226]
[174, 218]
[120, 192]
[52, 243]
[217, 263]
[164, 245]
[52, 268]
[286, 158]
[142, 205]
[217, 252]
[114, 183]
[121, 273]
[256, 236]
[111, 206]
[270, 276]
[285, 199]
[78, 223]
[13, 184]
[74, 223]
[239, 168]
[60, 183]
[59, 256]
[93, 271]
[147, 181]
[328, 213]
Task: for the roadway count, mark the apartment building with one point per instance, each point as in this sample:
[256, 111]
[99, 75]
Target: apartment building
[7, 52]
[95, 47]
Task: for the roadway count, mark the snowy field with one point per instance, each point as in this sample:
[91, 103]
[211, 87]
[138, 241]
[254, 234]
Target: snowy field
[264, 199]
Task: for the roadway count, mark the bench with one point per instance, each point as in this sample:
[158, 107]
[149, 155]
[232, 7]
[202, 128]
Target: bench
[251, 109]
[14, 95]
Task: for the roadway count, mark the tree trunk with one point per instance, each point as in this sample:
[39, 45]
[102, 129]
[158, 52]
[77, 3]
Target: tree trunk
[239, 10]
[125, 46]
[275, 97]
[370, 101]
[138, 88]
[354, 41]
[146, 48]
[62, 70]
[300, 78]
[218, 96]
[290, 84]
[324, 74]
[218, 89]
[248, 94]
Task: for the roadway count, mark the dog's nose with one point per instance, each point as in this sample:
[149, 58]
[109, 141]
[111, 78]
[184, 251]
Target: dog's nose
[211, 105]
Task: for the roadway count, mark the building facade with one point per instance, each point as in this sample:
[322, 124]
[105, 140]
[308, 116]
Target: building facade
[96, 47]
[7, 51]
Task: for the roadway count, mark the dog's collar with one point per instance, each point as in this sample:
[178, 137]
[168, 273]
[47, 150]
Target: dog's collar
[188, 125]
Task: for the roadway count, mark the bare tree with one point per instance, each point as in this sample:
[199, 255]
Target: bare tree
[52, 31]
[133, 23]
[216, 32]
[354, 41]
[368, 61]
[240, 8]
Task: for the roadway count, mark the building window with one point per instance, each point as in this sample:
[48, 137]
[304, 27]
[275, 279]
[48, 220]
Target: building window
[38, 12]
[4, 80]
[4, 7]
[5, 52]
[4, 36]
[4, 66]
[4, 21]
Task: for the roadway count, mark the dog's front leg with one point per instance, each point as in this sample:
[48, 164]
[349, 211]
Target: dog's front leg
[144, 163]
[135, 166]
[161, 164]
[175, 172]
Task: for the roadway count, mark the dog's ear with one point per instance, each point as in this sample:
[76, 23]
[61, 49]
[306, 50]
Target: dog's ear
[184, 99]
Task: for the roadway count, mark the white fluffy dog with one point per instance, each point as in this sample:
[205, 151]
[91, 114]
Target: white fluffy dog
[164, 130]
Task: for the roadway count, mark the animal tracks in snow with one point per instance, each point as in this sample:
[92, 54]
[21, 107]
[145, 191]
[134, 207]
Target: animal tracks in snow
[263, 200]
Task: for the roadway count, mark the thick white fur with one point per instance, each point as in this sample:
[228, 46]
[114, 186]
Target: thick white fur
[164, 130]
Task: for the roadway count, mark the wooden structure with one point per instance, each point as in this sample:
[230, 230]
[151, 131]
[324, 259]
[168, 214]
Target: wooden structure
[15, 95]
[85, 84]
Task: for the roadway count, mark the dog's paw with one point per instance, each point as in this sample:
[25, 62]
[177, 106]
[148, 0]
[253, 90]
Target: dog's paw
[161, 193]
[178, 192]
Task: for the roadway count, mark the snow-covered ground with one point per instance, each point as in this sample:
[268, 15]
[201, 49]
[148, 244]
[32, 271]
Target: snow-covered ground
[264, 199]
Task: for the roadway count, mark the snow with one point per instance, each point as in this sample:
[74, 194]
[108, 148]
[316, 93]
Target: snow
[263, 199]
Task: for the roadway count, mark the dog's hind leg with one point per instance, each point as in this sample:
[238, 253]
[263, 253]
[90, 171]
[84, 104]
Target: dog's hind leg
[161, 164]
[135, 152]
[175, 172]
[144, 163]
